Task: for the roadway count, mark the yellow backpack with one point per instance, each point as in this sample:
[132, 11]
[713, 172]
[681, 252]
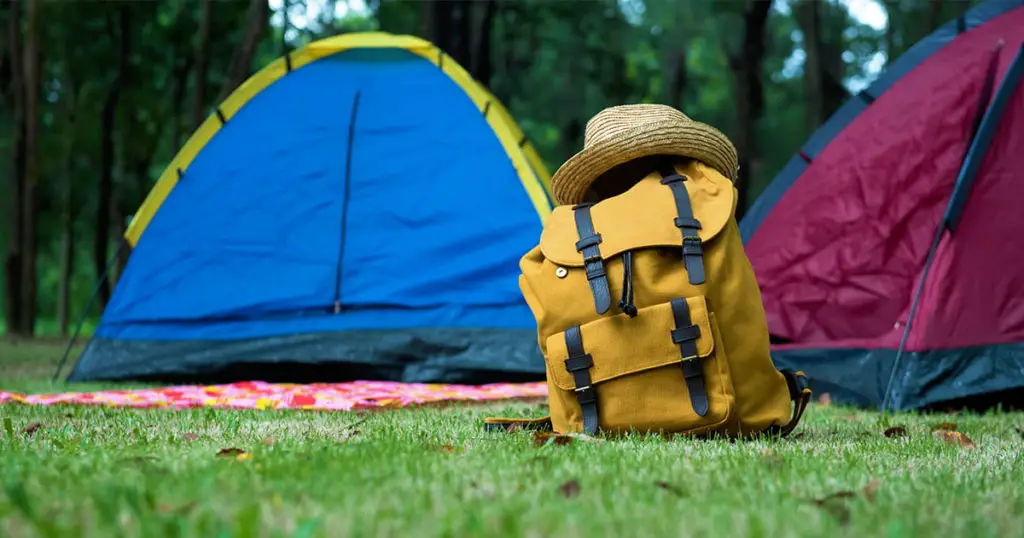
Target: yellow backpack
[650, 319]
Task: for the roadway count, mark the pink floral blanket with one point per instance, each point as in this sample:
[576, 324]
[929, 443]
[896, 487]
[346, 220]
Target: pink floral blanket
[260, 395]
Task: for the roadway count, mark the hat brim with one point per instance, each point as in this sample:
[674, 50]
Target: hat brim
[690, 139]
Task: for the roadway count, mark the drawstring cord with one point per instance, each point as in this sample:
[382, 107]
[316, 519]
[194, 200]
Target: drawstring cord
[626, 303]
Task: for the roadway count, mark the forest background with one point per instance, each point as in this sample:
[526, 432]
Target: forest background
[96, 96]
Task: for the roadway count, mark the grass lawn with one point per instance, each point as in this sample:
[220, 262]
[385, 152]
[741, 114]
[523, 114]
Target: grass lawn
[434, 472]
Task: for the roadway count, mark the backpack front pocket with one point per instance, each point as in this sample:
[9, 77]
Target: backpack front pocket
[662, 370]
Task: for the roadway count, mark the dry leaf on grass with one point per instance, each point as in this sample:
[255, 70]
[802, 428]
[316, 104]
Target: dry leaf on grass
[544, 438]
[948, 426]
[268, 441]
[32, 428]
[452, 449]
[190, 437]
[570, 489]
[896, 431]
[235, 453]
[870, 489]
[825, 399]
[954, 438]
[670, 488]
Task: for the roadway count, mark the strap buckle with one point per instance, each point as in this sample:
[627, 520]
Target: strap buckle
[584, 395]
[692, 246]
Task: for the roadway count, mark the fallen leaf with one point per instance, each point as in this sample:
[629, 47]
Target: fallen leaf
[837, 495]
[954, 438]
[670, 488]
[570, 489]
[268, 441]
[948, 426]
[870, 489]
[230, 452]
[449, 449]
[896, 431]
[190, 437]
[825, 399]
[543, 438]
[32, 428]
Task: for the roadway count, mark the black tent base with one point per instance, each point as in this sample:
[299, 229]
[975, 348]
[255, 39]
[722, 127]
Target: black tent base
[462, 356]
[973, 378]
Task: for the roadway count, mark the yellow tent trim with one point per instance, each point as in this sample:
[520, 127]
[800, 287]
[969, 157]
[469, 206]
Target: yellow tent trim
[532, 173]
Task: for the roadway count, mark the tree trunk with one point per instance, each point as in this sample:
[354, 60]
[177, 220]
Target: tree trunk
[108, 116]
[12, 261]
[32, 65]
[482, 67]
[675, 71]
[427, 21]
[202, 65]
[749, 89]
[935, 16]
[241, 61]
[178, 102]
[285, 25]
[814, 68]
[67, 216]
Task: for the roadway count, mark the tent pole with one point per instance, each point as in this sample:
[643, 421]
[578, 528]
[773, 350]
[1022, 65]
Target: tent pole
[984, 130]
[88, 307]
[910, 316]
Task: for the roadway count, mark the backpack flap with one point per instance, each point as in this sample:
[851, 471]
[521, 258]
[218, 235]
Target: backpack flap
[643, 216]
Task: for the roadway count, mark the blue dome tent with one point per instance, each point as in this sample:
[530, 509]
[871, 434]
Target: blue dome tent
[355, 210]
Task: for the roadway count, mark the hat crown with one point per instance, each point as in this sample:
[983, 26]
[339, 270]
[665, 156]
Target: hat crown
[613, 121]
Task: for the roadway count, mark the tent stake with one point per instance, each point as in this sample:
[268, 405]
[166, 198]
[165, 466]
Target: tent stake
[88, 307]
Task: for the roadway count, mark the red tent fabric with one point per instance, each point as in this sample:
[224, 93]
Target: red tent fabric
[842, 240]
[974, 294]
[838, 257]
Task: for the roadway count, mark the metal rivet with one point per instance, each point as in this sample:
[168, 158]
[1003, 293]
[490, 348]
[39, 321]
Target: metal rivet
[561, 272]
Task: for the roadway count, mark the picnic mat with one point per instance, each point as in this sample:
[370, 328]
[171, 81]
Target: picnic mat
[260, 395]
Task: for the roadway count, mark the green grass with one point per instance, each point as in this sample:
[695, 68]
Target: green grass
[433, 472]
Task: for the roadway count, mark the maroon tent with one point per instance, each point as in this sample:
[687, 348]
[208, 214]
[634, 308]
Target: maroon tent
[890, 250]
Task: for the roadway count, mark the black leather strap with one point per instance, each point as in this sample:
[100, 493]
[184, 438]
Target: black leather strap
[592, 261]
[685, 336]
[800, 394]
[693, 251]
[578, 364]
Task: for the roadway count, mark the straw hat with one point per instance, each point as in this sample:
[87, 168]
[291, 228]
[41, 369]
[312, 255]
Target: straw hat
[620, 134]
